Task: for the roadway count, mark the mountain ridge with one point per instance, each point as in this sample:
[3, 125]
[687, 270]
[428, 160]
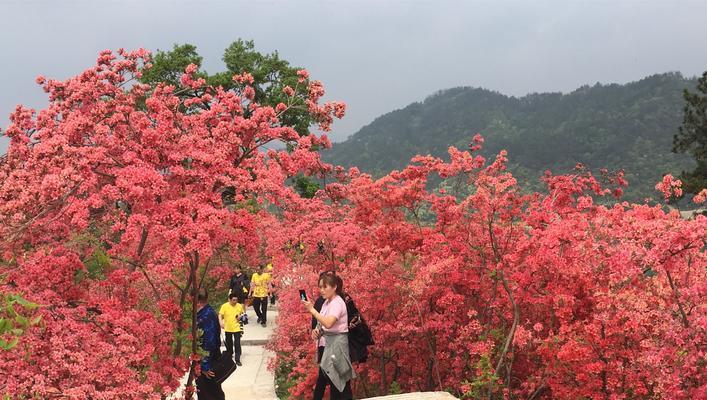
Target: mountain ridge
[618, 126]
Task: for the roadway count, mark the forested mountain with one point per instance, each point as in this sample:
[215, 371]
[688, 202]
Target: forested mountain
[628, 126]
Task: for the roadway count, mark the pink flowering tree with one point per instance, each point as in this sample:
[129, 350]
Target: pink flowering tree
[113, 211]
[486, 292]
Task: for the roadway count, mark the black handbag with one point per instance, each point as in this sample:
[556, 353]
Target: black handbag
[222, 368]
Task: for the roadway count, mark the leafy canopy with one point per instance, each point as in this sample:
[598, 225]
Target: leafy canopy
[692, 136]
[270, 73]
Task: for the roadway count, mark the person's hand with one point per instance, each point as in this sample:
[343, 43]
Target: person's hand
[209, 374]
[308, 305]
[315, 334]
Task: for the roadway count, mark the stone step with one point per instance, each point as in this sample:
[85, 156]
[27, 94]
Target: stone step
[252, 380]
[417, 396]
[254, 342]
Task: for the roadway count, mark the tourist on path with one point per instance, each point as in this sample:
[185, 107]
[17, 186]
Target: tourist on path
[335, 366]
[208, 323]
[273, 298]
[239, 284]
[260, 290]
[229, 315]
[320, 387]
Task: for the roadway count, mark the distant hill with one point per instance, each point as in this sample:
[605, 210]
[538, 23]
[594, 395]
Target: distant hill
[615, 126]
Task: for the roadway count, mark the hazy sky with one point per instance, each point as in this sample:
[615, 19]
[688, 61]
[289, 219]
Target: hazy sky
[376, 56]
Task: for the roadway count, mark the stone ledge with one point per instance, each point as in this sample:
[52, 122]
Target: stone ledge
[417, 396]
[254, 342]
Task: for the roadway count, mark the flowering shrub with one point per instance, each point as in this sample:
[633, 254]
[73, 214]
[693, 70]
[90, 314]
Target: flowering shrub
[483, 291]
[113, 210]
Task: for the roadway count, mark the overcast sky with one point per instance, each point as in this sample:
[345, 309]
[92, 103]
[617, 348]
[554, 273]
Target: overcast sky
[376, 56]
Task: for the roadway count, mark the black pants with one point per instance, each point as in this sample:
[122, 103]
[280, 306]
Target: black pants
[233, 344]
[260, 304]
[323, 380]
[206, 389]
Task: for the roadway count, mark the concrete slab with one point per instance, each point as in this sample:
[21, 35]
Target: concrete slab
[417, 396]
[253, 380]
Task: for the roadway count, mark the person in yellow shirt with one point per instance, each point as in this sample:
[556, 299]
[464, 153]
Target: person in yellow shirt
[260, 290]
[269, 268]
[229, 316]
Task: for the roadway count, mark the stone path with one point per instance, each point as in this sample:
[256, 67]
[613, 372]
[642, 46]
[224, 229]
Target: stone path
[253, 380]
[417, 396]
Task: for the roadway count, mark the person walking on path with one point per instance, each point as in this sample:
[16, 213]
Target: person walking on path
[273, 298]
[335, 368]
[239, 283]
[208, 323]
[229, 315]
[260, 290]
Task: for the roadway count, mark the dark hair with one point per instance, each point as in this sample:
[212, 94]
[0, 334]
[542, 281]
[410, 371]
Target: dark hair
[203, 295]
[340, 282]
[232, 295]
[328, 272]
[331, 280]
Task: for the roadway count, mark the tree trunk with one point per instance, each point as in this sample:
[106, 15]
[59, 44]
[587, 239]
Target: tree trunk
[193, 265]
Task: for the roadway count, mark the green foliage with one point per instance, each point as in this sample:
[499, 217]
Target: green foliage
[96, 259]
[270, 75]
[305, 186]
[485, 381]
[692, 136]
[96, 264]
[283, 382]
[613, 126]
[168, 66]
[15, 319]
[395, 388]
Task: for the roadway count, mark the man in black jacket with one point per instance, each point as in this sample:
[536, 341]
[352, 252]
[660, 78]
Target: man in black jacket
[239, 283]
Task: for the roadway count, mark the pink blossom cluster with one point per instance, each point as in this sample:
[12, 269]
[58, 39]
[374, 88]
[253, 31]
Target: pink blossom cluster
[188, 80]
[669, 187]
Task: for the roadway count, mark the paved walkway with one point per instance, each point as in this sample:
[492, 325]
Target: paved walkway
[253, 380]
[417, 396]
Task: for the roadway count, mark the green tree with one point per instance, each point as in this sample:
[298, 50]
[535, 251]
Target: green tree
[692, 136]
[168, 66]
[305, 186]
[270, 74]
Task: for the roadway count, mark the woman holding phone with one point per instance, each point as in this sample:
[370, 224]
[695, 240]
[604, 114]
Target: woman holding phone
[335, 366]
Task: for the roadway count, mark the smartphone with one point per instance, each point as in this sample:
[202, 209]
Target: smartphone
[303, 295]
